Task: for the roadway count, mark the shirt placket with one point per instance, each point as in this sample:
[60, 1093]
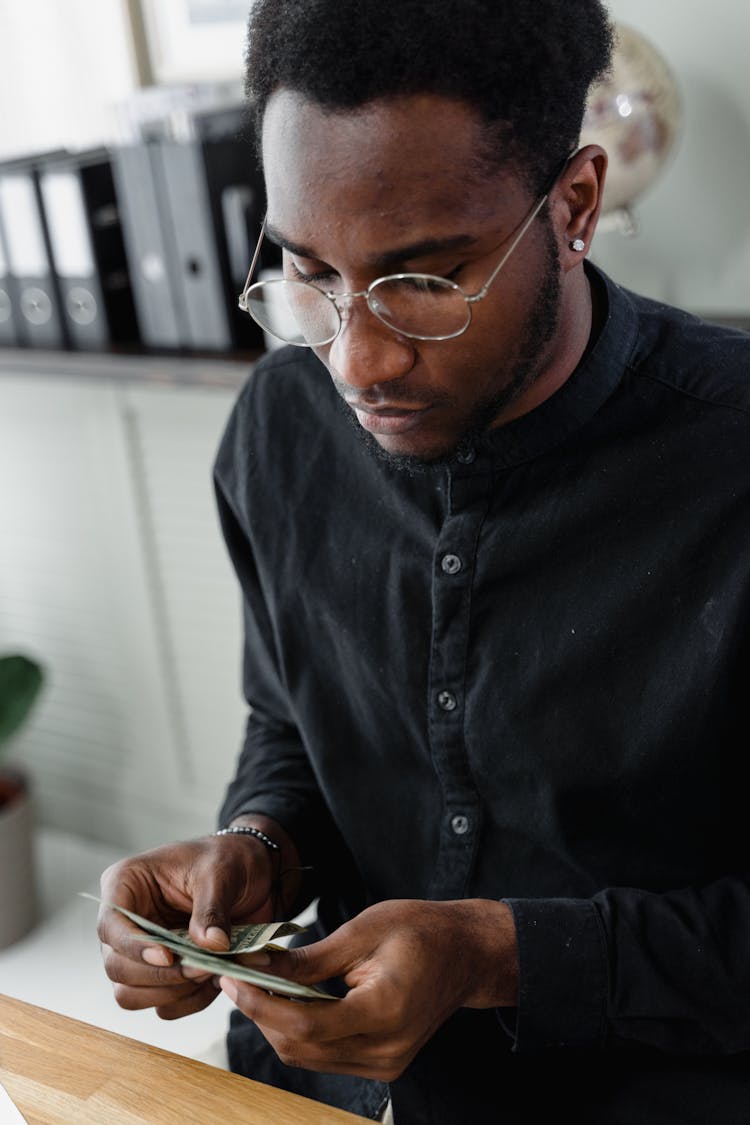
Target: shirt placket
[452, 577]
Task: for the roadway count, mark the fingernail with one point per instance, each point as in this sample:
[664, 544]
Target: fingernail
[217, 937]
[257, 960]
[152, 955]
[229, 987]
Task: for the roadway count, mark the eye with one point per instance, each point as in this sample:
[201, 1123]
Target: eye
[319, 275]
[442, 274]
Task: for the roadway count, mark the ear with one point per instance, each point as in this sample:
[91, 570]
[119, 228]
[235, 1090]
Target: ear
[577, 201]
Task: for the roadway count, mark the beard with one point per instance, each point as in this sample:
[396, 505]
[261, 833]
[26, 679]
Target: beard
[536, 334]
[534, 337]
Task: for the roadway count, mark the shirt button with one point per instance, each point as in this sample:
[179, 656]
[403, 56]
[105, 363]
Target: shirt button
[451, 564]
[466, 456]
[447, 701]
[460, 825]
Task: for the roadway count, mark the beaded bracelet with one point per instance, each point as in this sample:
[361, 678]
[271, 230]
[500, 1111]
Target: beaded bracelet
[246, 830]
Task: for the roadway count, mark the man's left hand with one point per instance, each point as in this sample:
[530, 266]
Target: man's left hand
[409, 965]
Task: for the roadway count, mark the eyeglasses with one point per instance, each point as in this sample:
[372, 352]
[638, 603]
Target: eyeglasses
[418, 305]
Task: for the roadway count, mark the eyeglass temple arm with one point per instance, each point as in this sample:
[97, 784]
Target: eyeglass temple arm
[551, 183]
[253, 264]
[483, 291]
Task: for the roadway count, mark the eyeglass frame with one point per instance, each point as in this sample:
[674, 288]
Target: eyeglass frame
[470, 298]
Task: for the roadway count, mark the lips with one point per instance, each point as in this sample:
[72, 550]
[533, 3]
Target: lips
[389, 419]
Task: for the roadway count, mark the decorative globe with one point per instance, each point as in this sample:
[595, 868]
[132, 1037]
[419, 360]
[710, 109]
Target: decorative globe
[635, 114]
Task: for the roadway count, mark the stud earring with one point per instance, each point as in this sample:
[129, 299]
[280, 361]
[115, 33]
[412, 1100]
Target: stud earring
[578, 244]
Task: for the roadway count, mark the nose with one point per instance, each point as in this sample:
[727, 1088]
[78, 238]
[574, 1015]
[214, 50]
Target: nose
[366, 353]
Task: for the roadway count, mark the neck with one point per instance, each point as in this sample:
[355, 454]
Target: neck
[579, 324]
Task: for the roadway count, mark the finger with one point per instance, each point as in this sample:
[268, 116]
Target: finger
[333, 956]
[371, 1008]
[189, 973]
[359, 1062]
[187, 1006]
[136, 999]
[366, 1056]
[139, 974]
[274, 1012]
[314, 1020]
[118, 932]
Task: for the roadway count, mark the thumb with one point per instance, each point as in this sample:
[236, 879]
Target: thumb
[210, 929]
[334, 956]
[210, 921]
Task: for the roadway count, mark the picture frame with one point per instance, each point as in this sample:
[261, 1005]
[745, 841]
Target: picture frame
[184, 41]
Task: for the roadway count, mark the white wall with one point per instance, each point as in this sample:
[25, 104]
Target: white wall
[63, 65]
[113, 574]
[693, 248]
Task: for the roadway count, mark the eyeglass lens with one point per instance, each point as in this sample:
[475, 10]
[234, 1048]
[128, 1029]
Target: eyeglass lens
[420, 306]
[293, 311]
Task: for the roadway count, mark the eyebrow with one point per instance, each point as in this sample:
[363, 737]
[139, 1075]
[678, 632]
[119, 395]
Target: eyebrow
[390, 258]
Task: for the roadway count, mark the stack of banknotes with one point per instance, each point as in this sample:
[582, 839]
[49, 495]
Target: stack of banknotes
[242, 939]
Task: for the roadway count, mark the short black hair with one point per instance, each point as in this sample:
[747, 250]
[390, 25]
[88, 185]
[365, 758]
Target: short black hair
[525, 65]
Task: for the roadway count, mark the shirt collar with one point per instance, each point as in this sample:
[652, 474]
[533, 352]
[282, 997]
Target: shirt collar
[578, 399]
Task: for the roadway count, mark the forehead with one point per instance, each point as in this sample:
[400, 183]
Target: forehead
[406, 164]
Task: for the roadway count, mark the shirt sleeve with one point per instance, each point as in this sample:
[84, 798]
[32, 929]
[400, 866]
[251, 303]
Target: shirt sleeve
[273, 774]
[626, 967]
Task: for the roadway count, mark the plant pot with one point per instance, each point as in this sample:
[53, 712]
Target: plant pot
[18, 897]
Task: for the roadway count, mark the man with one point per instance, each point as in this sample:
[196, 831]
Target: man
[491, 532]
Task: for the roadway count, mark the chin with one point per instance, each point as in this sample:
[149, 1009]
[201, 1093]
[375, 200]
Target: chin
[411, 456]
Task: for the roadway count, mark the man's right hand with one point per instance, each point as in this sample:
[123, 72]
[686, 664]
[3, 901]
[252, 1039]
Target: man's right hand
[211, 883]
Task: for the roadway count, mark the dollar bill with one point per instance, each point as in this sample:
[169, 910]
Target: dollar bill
[245, 939]
[249, 938]
[219, 966]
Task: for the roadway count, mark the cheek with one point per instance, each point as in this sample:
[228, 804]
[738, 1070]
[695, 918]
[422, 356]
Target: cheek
[496, 336]
[468, 364]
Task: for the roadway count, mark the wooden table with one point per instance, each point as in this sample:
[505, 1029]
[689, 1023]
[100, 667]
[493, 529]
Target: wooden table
[58, 1070]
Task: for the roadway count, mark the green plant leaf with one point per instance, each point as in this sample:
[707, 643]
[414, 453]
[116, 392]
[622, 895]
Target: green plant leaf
[20, 682]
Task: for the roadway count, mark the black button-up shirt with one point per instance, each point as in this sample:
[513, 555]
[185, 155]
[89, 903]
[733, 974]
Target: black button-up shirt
[523, 676]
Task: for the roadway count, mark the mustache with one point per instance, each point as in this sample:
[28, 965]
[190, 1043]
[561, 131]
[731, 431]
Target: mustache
[391, 394]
